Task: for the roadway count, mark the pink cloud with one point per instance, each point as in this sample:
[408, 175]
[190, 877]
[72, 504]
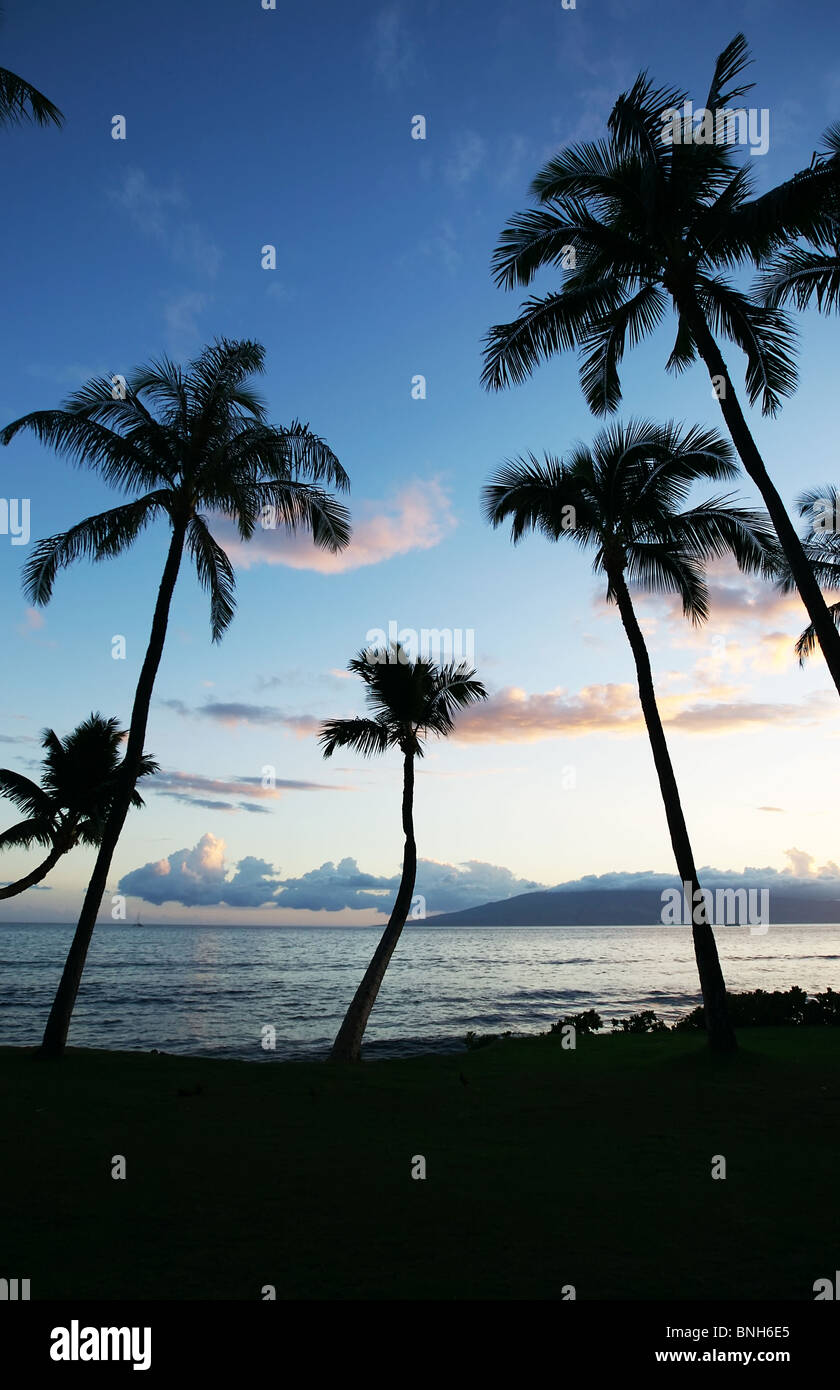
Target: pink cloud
[513, 716]
[418, 517]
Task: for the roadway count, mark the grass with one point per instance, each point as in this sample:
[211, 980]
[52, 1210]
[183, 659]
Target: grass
[545, 1167]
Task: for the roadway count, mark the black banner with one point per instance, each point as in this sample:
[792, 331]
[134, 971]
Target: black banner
[158, 1339]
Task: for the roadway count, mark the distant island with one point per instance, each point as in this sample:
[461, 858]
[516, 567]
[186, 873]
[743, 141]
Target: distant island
[620, 907]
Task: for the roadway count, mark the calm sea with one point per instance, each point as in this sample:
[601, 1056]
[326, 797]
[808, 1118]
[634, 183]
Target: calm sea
[211, 990]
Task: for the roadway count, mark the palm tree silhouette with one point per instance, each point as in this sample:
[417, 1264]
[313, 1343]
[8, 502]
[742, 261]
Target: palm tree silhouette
[408, 699]
[20, 101]
[623, 497]
[637, 224]
[210, 448]
[70, 807]
[801, 275]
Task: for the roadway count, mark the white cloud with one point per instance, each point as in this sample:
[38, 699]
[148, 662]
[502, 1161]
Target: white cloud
[162, 214]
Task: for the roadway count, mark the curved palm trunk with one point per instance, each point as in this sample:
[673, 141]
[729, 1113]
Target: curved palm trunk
[12, 889]
[58, 1023]
[348, 1043]
[719, 1029]
[809, 590]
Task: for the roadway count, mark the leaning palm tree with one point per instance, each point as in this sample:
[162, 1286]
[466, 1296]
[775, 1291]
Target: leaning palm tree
[805, 275]
[20, 101]
[650, 217]
[623, 497]
[70, 806]
[408, 699]
[189, 442]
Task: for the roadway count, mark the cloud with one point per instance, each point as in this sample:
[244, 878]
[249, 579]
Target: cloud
[34, 622]
[515, 162]
[72, 374]
[162, 215]
[822, 882]
[441, 247]
[514, 716]
[280, 292]
[201, 877]
[418, 517]
[802, 867]
[233, 713]
[198, 877]
[194, 790]
[780, 809]
[727, 717]
[181, 316]
[446, 887]
[392, 50]
[466, 158]
[735, 600]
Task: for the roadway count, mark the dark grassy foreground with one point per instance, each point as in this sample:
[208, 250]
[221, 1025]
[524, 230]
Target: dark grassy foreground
[545, 1167]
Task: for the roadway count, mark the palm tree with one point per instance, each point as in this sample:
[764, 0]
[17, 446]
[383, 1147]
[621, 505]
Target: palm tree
[623, 497]
[800, 274]
[638, 224]
[70, 807]
[208, 447]
[408, 699]
[19, 101]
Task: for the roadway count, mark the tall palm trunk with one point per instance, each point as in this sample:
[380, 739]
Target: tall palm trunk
[809, 590]
[58, 1023]
[348, 1044]
[720, 1032]
[12, 889]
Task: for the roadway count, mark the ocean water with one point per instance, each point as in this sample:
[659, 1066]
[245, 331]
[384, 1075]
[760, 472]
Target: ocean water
[210, 991]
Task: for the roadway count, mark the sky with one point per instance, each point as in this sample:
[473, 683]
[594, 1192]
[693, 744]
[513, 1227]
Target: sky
[291, 127]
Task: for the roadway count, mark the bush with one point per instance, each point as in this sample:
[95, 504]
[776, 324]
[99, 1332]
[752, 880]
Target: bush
[644, 1022]
[757, 1008]
[475, 1040]
[587, 1022]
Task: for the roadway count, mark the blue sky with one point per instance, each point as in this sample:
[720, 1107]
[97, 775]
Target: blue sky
[292, 127]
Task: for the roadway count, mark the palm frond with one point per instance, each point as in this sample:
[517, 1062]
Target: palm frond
[662, 568]
[807, 642]
[366, 736]
[97, 538]
[766, 336]
[21, 102]
[552, 324]
[27, 833]
[25, 794]
[636, 121]
[86, 441]
[215, 575]
[631, 321]
[799, 276]
[729, 66]
[310, 457]
[299, 506]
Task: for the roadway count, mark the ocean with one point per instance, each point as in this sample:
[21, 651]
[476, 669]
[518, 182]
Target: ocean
[212, 991]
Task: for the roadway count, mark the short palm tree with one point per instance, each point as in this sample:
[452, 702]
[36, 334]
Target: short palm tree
[806, 275]
[20, 101]
[189, 442]
[408, 699]
[623, 498]
[71, 805]
[638, 224]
